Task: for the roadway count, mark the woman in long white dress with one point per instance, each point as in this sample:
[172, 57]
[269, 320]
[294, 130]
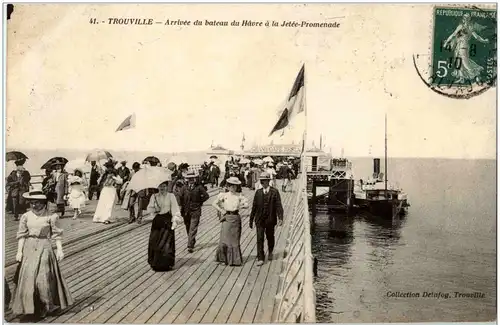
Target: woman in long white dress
[107, 199]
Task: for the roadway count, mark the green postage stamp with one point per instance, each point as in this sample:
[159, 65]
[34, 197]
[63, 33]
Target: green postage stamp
[464, 52]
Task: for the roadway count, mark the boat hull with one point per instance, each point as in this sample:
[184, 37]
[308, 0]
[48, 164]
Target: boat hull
[386, 209]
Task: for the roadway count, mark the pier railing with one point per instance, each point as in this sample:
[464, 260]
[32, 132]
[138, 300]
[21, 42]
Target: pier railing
[296, 300]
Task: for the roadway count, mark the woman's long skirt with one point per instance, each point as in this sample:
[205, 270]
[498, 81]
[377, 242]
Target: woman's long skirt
[229, 250]
[250, 183]
[7, 294]
[161, 248]
[105, 205]
[41, 287]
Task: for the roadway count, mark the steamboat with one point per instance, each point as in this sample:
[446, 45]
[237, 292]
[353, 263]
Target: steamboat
[376, 196]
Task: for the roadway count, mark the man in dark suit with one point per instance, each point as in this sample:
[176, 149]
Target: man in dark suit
[124, 173]
[95, 174]
[191, 202]
[267, 211]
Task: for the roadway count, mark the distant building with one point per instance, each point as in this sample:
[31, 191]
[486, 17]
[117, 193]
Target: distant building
[274, 150]
[222, 153]
[316, 159]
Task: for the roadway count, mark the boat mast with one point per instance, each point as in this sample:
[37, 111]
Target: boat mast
[385, 163]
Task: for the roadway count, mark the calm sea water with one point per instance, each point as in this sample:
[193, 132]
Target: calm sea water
[446, 244]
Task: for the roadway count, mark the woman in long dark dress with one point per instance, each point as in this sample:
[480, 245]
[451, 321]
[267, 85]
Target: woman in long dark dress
[161, 249]
[229, 205]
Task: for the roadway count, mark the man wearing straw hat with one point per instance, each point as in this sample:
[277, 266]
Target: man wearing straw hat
[192, 200]
[267, 211]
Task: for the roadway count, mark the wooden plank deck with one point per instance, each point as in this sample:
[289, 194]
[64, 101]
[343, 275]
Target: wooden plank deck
[108, 275]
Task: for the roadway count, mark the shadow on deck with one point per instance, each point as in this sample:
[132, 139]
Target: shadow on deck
[111, 282]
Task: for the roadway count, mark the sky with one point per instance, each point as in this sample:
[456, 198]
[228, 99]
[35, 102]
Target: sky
[71, 83]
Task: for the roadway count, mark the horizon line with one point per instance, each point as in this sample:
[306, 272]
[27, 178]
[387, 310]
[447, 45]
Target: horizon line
[208, 149]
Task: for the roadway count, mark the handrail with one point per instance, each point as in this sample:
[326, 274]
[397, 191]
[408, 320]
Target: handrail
[296, 299]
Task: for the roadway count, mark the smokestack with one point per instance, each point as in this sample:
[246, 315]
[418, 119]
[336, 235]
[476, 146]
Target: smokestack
[376, 167]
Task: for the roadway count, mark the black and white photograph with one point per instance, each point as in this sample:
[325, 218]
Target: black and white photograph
[249, 163]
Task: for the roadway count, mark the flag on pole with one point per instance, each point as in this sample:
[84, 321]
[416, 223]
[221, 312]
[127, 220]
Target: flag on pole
[294, 103]
[128, 123]
[303, 143]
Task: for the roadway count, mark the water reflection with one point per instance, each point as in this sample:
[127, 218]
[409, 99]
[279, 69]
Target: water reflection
[382, 232]
[334, 234]
[353, 252]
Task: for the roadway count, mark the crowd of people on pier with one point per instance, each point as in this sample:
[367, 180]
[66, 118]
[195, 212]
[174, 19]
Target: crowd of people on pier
[178, 199]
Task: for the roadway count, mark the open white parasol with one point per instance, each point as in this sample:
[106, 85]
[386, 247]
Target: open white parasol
[98, 155]
[79, 164]
[149, 177]
[258, 161]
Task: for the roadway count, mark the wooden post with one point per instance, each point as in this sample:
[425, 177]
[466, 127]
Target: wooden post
[349, 202]
[385, 162]
[313, 201]
[309, 293]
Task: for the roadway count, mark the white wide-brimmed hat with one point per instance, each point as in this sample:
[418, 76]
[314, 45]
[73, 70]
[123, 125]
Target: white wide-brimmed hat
[233, 181]
[264, 176]
[74, 180]
[35, 195]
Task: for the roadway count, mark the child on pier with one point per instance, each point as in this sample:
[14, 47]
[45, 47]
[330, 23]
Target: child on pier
[77, 196]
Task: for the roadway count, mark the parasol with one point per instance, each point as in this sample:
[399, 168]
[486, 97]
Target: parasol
[149, 177]
[51, 161]
[268, 159]
[152, 160]
[258, 161]
[15, 155]
[98, 155]
[79, 164]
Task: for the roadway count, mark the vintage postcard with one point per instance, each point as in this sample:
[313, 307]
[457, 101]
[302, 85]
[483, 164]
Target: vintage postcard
[250, 163]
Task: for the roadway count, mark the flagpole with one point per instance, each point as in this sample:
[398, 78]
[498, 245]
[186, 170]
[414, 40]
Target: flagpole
[304, 135]
[310, 296]
[385, 163]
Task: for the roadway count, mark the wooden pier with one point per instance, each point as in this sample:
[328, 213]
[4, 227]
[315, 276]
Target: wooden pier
[111, 282]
